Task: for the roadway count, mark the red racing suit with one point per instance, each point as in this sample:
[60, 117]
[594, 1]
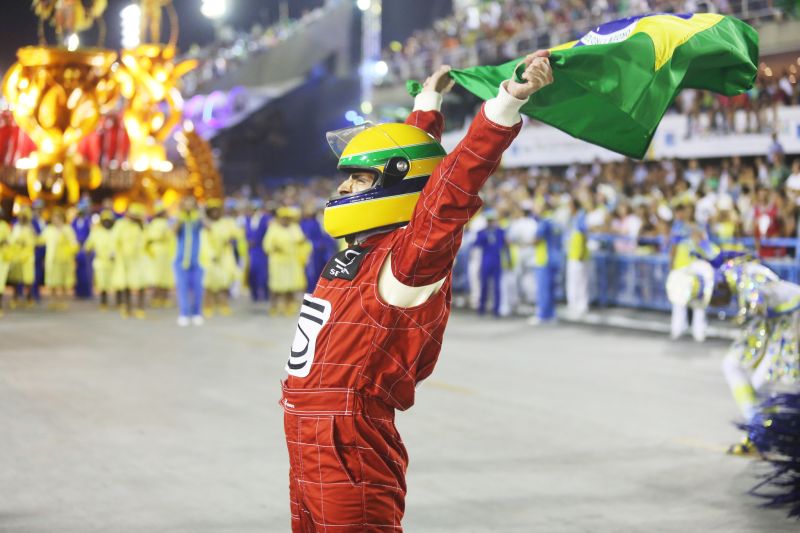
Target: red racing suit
[356, 359]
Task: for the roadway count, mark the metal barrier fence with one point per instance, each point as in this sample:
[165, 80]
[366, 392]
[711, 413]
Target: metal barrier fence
[637, 280]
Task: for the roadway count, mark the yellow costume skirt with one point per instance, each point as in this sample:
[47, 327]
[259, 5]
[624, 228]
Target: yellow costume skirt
[59, 274]
[163, 272]
[103, 274]
[22, 271]
[5, 266]
[129, 273]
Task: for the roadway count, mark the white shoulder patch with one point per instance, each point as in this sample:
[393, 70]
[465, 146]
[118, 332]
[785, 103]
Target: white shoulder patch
[398, 294]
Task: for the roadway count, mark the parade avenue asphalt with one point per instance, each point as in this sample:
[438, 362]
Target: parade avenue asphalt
[126, 426]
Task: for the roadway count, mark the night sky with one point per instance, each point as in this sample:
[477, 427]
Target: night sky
[400, 17]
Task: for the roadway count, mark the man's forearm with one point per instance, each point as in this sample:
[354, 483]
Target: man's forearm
[427, 114]
[450, 198]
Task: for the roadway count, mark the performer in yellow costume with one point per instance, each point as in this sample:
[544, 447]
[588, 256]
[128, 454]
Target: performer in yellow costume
[101, 242]
[288, 251]
[5, 256]
[130, 267]
[60, 248]
[218, 257]
[160, 240]
[237, 244]
[23, 243]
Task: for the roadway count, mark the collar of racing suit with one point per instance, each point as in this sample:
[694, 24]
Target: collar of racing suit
[361, 238]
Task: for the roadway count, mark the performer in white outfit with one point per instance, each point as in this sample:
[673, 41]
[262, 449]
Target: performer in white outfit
[577, 276]
[475, 225]
[521, 234]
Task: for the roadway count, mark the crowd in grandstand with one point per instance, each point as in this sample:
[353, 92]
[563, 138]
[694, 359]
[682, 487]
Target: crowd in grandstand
[759, 196]
[638, 200]
[504, 29]
[232, 48]
[498, 31]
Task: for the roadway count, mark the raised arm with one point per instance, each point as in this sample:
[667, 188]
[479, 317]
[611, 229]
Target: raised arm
[427, 248]
[428, 103]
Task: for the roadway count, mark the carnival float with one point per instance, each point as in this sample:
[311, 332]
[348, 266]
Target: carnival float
[84, 121]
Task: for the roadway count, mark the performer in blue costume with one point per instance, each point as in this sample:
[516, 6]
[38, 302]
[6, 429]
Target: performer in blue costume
[188, 272]
[323, 245]
[546, 266]
[82, 225]
[255, 227]
[494, 252]
[38, 226]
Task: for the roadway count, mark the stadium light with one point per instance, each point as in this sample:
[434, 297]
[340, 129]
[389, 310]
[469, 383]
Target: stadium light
[363, 5]
[381, 69]
[73, 42]
[131, 26]
[214, 9]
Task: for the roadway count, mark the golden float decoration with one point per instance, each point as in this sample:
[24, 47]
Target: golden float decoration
[57, 97]
[148, 80]
[148, 77]
[58, 94]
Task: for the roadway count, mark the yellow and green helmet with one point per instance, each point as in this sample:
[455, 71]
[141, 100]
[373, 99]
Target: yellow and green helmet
[402, 157]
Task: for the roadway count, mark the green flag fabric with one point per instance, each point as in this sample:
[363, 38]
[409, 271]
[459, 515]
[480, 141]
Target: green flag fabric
[613, 85]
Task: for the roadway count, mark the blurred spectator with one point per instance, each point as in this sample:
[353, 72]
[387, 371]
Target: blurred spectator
[577, 252]
[767, 218]
[793, 181]
[492, 242]
[625, 224]
[775, 151]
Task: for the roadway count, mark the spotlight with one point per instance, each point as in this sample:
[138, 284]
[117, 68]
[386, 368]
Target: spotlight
[73, 42]
[381, 69]
[214, 9]
[131, 25]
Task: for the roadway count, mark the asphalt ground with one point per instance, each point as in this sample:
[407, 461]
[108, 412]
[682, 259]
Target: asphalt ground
[127, 426]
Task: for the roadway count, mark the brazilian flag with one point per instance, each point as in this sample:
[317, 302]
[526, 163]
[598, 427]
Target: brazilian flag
[612, 86]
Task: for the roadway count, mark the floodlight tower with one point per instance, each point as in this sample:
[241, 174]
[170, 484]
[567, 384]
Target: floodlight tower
[370, 51]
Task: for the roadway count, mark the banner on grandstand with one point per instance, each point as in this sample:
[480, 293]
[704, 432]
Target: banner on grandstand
[538, 145]
[613, 85]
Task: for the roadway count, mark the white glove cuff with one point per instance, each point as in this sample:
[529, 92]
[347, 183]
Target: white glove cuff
[428, 101]
[503, 109]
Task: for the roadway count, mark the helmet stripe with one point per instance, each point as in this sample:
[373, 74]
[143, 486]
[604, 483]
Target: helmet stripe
[380, 157]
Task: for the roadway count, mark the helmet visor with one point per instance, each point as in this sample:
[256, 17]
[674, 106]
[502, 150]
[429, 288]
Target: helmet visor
[338, 139]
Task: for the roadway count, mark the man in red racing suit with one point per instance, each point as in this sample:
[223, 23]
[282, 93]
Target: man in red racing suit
[365, 342]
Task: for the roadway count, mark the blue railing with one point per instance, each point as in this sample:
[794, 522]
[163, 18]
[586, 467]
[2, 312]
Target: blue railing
[637, 280]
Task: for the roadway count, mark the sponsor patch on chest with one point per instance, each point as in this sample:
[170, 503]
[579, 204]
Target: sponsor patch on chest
[345, 264]
[314, 314]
